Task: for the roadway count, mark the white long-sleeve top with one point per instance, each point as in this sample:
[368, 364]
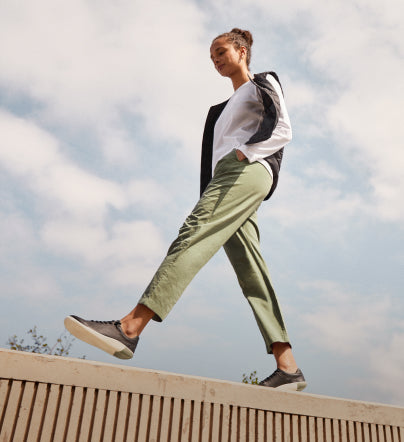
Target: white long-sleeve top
[241, 119]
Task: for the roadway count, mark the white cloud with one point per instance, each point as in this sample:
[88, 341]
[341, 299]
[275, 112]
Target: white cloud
[342, 320]
[128, 253]
[34, 155]
[21, 276]
[33, 286]
[356, 48]
[323, 171]
[319, 206]
[179, 337]
[387, 365]
[86, 65]
[76, 221]
[359, 327]
[364, 60]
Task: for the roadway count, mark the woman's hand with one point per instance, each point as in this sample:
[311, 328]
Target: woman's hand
[240, 155]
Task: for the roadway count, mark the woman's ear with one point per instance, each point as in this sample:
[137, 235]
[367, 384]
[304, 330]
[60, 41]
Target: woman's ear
[243, 52]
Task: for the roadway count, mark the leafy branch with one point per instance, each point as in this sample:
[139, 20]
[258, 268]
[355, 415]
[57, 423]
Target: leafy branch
[39, 343]
[251, 378]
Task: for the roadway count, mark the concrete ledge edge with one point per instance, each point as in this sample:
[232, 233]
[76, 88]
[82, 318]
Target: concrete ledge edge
[17, 365]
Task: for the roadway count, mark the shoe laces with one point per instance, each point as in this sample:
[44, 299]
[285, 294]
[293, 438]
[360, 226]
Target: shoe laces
[113, 322]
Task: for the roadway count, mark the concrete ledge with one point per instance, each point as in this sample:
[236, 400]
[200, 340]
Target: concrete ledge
[19, 369]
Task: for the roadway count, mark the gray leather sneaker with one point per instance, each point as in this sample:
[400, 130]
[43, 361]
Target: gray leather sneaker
[105, 335]
[285, 381]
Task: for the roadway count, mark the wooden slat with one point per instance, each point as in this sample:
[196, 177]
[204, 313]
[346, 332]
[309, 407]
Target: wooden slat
[320, 430]
[110, 418]
[373, 432]
[224, 423]
[186, 422]
[380, 433]
[358, 431]
[343, 431]
[11, 410]
[304, 422]
[395, 434]
[75, 415]
[155, 418]
[4, 389]
[350, 431]
[260, 425]
[63, 414]
[366, 433]
[278, 427]
[387, 432]
[205, 422]
[327, 430]
[294, 427]
[87, 415]
[24, 411]
[165, 428]
[144, 418]
[286, 427]
[122, 417]
[99, 415]
[134, 406]
[233, 427]
[5, 386]
[334, 430]
[196, 417]
[38, 413]
[215, 423]
[51, 412]
[242, 423]
[251, 424]
[175, 420]
[269, 422]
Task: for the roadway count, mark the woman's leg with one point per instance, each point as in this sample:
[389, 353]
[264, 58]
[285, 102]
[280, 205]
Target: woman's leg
[243, 251]
[235, 192]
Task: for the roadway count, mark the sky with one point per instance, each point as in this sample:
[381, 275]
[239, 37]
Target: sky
[102, 108]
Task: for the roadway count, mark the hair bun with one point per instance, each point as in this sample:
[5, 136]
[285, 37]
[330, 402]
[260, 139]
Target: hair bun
[245, 34]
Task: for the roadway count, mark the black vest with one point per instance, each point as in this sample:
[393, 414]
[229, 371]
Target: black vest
[269, 122]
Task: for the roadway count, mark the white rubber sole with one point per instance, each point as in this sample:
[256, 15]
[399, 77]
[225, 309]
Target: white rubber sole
[86, 334]
[294, 386]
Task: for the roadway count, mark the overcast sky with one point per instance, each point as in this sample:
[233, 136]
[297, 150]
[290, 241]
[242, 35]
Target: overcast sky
[102, 107]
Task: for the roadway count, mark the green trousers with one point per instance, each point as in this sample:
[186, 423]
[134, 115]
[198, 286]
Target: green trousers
[224, 216]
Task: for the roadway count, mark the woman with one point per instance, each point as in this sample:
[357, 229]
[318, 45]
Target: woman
[242, 144]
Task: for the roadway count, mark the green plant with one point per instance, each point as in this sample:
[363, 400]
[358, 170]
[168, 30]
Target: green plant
[39, 343]
[251, 378]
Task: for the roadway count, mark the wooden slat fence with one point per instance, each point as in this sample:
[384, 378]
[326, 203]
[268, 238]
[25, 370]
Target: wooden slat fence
[56, 399]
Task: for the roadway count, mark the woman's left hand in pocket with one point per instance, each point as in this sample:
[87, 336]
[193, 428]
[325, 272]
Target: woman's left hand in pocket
[240, 155]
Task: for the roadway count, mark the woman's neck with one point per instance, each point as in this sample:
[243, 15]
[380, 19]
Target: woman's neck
[240, 78]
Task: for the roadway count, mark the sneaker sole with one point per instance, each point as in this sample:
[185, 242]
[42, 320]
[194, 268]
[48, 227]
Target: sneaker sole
[86, 334]
[293, 386]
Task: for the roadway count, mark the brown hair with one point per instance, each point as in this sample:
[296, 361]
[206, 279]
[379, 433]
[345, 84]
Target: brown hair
[238, 38]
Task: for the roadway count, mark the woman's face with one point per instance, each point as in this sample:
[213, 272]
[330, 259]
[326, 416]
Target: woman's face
[227, 59]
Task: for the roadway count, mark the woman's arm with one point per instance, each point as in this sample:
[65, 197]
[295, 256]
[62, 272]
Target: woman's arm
[281, 135]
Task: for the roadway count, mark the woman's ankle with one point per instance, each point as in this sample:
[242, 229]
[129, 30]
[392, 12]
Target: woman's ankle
[134, 322]
[285, 360]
